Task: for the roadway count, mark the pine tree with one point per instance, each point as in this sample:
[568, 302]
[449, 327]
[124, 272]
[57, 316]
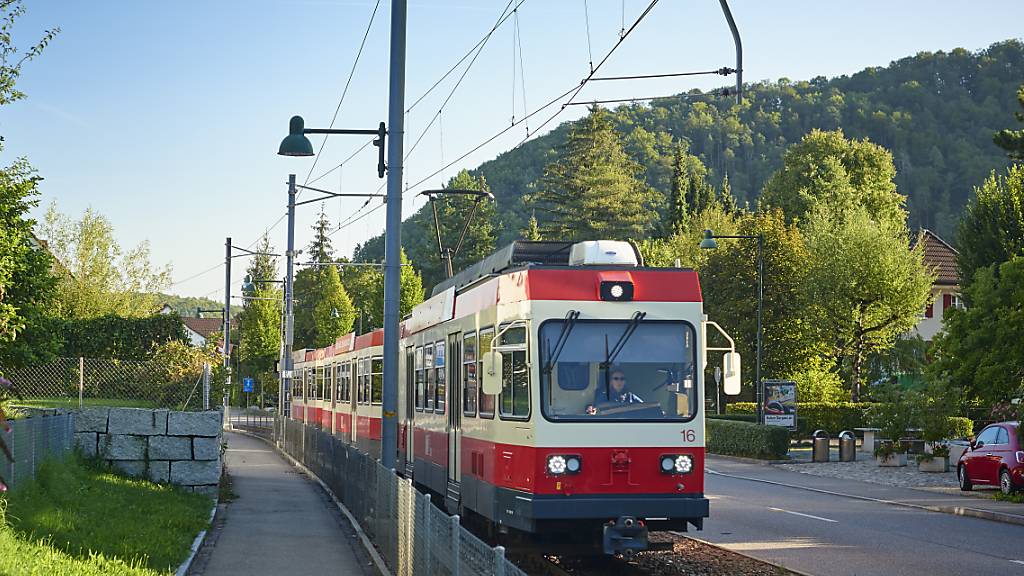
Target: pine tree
[1013, 140]
[532, 231]
[680, 184]
[726, 199]
[309, 283]
[594, 190]
[260, 319]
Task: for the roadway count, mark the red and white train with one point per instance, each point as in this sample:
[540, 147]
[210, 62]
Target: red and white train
[553, 391]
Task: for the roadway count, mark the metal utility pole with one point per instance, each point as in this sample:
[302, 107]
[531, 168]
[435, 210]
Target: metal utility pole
[289, 311]
[227, 324]
[739, 49]
[393, 234]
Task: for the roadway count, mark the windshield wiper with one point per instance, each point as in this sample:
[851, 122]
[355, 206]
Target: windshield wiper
[610, 355]
[563, 337]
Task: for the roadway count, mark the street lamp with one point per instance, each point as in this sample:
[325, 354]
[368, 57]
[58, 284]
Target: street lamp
[709, 243]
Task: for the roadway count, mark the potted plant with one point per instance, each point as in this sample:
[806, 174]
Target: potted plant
[936, 461]
[890, 453]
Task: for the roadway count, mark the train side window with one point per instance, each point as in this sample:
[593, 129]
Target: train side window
[410, 375]
[376, 380]
[420, 379]
[440, 364]
[469, 381]
[428, 367]
[366, 380]
[360, 394]
[515, 390]
[484, 346]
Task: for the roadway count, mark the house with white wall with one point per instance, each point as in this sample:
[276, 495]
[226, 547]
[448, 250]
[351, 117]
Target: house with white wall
[939, 257]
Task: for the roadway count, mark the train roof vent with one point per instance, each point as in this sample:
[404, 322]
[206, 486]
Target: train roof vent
[602, 252]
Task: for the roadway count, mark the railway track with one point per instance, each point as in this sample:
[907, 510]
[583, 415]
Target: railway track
[687, 557]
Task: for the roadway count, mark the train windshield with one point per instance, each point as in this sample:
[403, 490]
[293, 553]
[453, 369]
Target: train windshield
[618, 370]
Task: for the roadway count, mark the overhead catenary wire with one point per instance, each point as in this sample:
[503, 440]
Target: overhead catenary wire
[586, 18]
[501, 20]
[522, 70]
[574, 90]
[197, 275]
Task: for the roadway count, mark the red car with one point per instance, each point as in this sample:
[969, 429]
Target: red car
[996, 458]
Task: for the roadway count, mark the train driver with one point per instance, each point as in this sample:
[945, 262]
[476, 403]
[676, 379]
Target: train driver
[616, 393]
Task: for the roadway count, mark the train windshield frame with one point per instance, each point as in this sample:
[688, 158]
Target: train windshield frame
[651, 378]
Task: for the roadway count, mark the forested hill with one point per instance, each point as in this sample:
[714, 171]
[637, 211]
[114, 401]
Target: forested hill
[936, 113]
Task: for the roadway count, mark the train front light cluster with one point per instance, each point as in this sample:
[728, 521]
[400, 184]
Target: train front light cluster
[559, 464]
[676, 464]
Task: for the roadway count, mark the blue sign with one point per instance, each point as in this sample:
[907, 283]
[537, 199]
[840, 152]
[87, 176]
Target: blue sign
[246, 384]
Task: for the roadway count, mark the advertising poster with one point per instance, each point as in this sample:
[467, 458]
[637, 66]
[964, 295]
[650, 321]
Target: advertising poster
[780, 403]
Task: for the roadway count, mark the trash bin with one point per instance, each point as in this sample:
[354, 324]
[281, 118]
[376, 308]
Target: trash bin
[819, 452]
[847, 446]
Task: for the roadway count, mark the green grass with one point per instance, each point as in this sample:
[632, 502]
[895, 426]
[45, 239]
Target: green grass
[72, 403]
[1017, 497]
[20, 556]
[79, 510]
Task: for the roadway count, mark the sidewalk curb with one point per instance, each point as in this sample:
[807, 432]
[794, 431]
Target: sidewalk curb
[363, 538]
[198, 542]
[748, 460]
[954, 510]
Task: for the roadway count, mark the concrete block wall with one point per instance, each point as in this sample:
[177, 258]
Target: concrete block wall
[181, 448]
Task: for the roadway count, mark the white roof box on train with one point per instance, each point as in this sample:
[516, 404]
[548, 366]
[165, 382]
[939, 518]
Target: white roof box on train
[602, 252]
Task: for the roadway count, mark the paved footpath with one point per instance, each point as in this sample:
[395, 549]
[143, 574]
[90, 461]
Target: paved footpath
[804, 523]
[280, 523]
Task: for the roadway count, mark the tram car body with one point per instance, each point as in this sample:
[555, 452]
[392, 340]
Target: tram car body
[552, 391]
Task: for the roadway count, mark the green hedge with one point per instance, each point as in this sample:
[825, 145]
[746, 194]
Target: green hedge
[960, 427]
[734, 417]
[832, 417]
[746, 439]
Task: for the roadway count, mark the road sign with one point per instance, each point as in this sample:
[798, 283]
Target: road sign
[246, 384]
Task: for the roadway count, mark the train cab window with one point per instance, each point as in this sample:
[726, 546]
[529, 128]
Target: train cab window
[651, 377]
[469, 381]
[376, 380]
[439, 368]
[515, 388]
[486, 401]
[428, 367]
[421, 380]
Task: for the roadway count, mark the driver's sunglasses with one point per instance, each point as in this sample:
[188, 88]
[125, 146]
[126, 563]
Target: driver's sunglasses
[618, 377]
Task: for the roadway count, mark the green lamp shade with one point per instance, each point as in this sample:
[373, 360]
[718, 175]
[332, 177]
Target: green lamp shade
[296, 143]
[708, 243]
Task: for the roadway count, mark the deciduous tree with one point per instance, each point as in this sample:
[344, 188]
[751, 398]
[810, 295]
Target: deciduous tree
[992, 226]
[1013, 140]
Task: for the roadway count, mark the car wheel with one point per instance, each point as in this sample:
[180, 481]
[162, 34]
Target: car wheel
[965, 482]
[1005, 483]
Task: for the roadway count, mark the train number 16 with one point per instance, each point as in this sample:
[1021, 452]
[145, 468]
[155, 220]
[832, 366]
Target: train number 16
[689, 435]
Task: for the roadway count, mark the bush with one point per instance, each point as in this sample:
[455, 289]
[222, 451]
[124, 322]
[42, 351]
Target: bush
[832, 417]
[960, 427]
[819, 382]
[747, 439]
[734, 417]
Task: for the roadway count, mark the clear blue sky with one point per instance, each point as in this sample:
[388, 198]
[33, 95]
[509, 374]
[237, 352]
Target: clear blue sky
[166, 116]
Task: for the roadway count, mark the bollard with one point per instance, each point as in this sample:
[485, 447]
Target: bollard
[847, 446]
[819, 451]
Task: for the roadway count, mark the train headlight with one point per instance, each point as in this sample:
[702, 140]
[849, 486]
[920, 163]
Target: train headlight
[556, 464]
[616, 291]
[559, 464]
[676, 463]
[683, 464]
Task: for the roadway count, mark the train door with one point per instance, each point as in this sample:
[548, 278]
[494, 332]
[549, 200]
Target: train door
[410, 407]
[454, 426]
[332, 385]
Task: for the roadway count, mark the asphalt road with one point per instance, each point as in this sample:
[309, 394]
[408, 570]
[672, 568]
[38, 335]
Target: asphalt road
[821, 534]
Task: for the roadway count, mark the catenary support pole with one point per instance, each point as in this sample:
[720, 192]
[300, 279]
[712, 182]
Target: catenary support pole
[393, 234]
[285, 403]
[760, 305]
[227, 326]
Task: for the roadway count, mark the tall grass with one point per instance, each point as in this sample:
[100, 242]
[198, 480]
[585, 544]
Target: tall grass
[76, 513]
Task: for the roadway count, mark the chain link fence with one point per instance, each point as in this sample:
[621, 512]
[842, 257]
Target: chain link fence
[414, 536]
[32, 440]
[79, 382]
